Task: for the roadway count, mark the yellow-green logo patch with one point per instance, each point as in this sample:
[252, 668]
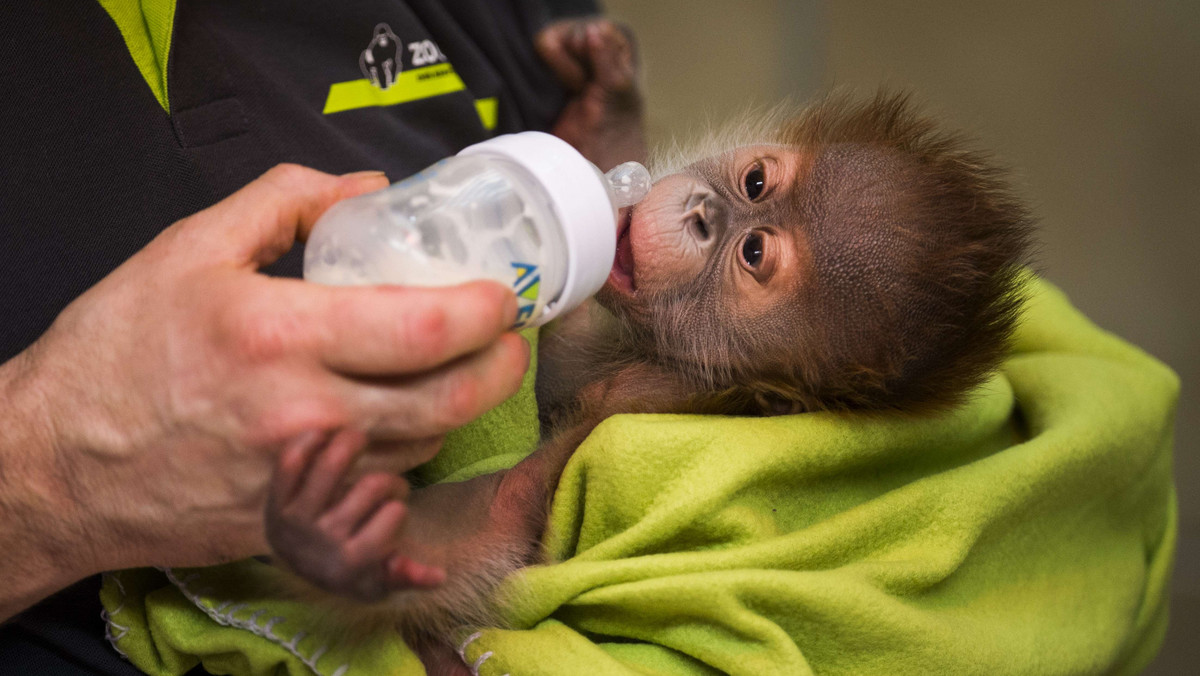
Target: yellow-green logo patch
[410, 85]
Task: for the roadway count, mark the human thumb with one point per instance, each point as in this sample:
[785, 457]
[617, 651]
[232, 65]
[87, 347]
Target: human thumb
[259, 223]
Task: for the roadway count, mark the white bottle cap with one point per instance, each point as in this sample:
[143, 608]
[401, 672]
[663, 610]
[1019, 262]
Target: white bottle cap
[578, 198]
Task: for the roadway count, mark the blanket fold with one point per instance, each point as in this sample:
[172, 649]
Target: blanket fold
[1030, 531]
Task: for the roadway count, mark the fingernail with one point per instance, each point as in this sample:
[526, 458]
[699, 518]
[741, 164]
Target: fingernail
[528, 354]
[371, 173]
[510, 310]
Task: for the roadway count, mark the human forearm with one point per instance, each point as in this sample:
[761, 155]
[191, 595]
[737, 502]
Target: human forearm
[43, 544]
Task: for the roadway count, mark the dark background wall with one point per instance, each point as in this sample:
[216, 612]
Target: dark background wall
[1095, 105]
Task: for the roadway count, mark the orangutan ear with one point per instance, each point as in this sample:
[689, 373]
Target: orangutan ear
[770, 403]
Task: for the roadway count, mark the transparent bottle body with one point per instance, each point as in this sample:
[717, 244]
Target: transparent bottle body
[464, 218]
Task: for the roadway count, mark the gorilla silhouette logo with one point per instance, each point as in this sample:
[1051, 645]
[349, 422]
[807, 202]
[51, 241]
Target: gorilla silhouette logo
[380, 61]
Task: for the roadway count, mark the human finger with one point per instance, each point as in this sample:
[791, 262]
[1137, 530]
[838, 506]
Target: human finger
[447, 398]
[259, 223]
[391, 330]
[397, 455]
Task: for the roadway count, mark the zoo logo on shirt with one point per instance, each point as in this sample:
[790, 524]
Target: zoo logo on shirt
[380, 62]
[387, 83]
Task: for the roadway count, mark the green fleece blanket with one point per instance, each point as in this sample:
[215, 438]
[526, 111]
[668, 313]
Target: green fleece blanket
[1028, 532]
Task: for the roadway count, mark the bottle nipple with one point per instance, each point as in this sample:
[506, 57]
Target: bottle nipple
[627, 184]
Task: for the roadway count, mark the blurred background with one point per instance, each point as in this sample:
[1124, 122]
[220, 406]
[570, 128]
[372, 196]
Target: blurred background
[1096, 105]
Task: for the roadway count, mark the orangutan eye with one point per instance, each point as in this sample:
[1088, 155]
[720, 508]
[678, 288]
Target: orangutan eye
[752, 250]
[755, 182]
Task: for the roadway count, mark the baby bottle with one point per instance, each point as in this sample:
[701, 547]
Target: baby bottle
[523, 209]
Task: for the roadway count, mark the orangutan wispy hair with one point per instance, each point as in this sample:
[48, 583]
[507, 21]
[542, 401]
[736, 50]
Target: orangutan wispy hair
[917, 250]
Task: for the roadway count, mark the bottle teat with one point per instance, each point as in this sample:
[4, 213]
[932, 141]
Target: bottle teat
[627, 184]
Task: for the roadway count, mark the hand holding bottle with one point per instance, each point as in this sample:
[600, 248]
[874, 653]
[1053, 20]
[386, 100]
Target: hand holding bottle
[526, 210]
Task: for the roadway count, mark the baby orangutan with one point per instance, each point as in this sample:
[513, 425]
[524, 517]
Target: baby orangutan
[849, 257]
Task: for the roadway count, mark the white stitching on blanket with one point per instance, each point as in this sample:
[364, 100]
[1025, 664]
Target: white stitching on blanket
[462, 653]
[462, 649]
[299, 636]
[479, 662]
[109, 624]
[120, 587]
[223, 614]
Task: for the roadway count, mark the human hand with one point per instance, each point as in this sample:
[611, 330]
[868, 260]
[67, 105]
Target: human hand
[166, 390]
[595, 59]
